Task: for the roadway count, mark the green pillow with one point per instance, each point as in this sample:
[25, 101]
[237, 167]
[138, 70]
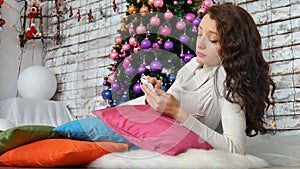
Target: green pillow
[21, 135]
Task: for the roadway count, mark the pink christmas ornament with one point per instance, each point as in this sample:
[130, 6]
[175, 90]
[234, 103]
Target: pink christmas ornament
[158, 3]
[165, 31]
[207, 3]
[126, 47]
[135, 50]
[141, 29]
[201, 10]
[190, 17]
[155, 45]
[127, 61]
[132, 41]
[189, 2]
[155, 21]
[168, 15]
[113, 68]
[175, 2]
[114, 55]
[180, 25]
[111, 78]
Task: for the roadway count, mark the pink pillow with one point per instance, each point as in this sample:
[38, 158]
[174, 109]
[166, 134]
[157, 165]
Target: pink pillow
[150, 130]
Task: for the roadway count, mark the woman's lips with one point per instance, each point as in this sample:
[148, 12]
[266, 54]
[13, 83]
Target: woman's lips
[200, 54]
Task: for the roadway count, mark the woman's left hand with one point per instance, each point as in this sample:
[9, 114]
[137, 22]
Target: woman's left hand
[165, 103]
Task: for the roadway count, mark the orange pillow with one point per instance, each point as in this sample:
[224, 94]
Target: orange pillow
[58, 153]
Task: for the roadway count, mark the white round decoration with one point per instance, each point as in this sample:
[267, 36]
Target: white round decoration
[37, 82]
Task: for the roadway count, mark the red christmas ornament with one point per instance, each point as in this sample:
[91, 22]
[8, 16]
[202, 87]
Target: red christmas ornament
[71, 11]
[78, 15]
[33, 10]
[2, 22]
[115, 7]
[32, 32]
[90, 16]
[1, 2]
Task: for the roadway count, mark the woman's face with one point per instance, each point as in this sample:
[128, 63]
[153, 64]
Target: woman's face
[208, 45]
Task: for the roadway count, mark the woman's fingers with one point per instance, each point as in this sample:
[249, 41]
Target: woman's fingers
[156, 83]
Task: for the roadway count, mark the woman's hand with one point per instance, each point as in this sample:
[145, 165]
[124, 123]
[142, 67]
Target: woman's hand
[157, 84]
[165, 103]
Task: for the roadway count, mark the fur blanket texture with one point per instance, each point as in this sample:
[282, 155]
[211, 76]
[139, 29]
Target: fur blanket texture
[192, 158]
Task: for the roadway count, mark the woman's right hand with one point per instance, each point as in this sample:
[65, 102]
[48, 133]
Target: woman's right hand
[165, 103]
[156, 83]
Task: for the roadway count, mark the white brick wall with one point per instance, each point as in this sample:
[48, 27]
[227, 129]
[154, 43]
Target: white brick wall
[81, 61]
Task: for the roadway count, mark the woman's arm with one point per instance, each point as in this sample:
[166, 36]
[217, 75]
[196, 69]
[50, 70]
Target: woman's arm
[233, 138]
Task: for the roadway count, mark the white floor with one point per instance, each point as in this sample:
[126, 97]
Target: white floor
[282, 151]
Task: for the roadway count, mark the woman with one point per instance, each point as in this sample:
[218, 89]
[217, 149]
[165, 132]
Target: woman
[223, 93]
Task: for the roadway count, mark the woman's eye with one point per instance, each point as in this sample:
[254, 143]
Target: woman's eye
[213, 41]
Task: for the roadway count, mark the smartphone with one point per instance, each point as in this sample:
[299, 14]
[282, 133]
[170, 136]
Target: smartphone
[147, 82]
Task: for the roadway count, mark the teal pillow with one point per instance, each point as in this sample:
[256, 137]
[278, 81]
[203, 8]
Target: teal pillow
[21, 135]
[90, 129]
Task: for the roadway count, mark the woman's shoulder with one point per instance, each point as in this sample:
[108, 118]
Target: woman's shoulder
[189, 67]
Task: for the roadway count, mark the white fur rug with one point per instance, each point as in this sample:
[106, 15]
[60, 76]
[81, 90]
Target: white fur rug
[193, 158]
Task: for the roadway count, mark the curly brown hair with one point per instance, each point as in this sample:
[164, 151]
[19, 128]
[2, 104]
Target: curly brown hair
[247, 71]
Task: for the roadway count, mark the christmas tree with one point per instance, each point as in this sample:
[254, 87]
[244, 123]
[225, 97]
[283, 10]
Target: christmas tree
[157, 37]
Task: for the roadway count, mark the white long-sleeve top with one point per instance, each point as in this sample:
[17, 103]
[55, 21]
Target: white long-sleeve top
[197, 89]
